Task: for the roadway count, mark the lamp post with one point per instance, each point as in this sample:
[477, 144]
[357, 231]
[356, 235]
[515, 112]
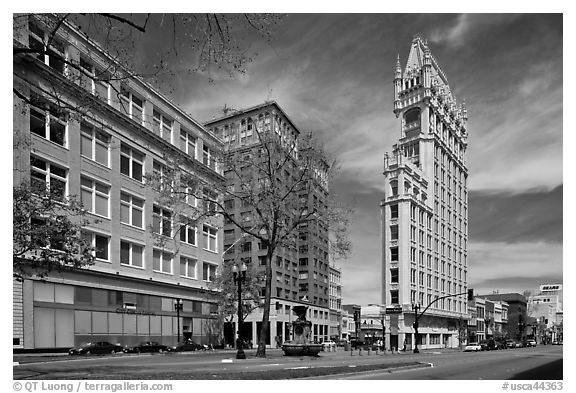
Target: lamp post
[178, 308]
[416, 307]
[239, 277]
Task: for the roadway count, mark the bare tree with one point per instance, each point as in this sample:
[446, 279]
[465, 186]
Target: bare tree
[279, 184]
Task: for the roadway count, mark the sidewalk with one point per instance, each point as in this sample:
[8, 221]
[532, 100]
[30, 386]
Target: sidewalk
[230, 353]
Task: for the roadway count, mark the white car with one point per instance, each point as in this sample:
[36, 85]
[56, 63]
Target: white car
[473, 347]
[328, 345]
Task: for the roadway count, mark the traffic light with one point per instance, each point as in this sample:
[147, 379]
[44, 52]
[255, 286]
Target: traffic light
[355, 316]
[471, 294]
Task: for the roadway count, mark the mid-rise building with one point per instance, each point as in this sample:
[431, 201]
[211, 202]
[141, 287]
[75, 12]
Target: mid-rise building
[545, 308]
[335, 302]
[488, 319]
[424, 213]
[300, 274]
[517, 317]
[98, 139]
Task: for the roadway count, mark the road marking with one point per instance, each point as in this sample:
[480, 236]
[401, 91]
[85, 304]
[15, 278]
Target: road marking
[297, 368]
[227, 361]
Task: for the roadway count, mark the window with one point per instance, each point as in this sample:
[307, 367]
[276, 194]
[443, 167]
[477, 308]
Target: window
[162, 261]
[210, 200]
[394, 232]
[100, 243]
[208, 271]
[208, 157]
[209, 235]
[188, 267]
[187, 143]
[93, 80]
[162, 125]
[131, 104]
[46, 175]
[131, 210]
[187, 231]
[394, 253]
[95, 196]
[394, 187]
[393, 212]
[131, 254]
[161, 221]
[54, 56]
[48, 121]
[412, 116]
[394, 275]
[94, 144]
[131, 162]
[394, 297]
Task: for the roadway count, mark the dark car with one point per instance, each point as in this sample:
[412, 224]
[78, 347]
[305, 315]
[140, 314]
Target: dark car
[488, 345]
[187, 345]
[99, 347]
[501, 345]
[148, 346]
[510, 344]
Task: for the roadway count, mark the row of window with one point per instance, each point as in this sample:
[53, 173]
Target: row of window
[132, 254]
[50, 124]
[95, 198]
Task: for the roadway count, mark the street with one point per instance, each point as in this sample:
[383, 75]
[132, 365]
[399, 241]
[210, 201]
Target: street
[540, 363]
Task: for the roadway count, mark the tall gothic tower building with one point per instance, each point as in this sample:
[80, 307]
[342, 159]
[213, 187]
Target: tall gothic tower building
[424, 213]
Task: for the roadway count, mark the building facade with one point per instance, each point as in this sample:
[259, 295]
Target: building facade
[517, 322]
[300, 273]
[546, 311]
[99, 139]
[424, 213]
[335, 302]
[488, 319]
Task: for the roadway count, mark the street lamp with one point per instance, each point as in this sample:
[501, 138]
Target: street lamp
[416, 307]
[178, 307]
[239, 277]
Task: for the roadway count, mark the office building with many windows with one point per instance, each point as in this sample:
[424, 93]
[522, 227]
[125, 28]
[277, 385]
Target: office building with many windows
[300, 273]
[97, 139]
[424, 213]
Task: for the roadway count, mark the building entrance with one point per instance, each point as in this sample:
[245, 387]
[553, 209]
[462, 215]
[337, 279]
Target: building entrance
[394, 341]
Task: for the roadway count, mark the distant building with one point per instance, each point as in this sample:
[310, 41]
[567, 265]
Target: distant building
[335, 302]
[546, 313]
[488, 319]
[301, 273]
[517, 316]
[425, 208]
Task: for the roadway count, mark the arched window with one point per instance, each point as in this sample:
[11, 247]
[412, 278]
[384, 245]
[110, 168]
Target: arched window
[412, 116]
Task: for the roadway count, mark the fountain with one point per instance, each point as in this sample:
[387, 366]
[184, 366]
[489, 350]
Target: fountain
[300, 345]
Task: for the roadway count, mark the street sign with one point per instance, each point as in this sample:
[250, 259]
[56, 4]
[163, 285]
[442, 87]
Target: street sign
[394, 310]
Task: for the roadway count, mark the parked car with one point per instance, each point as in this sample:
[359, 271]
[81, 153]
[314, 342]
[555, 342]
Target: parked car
[328, 345]
[148, 346]
[99, 347]
[510, 344]
[473, 347]
[529, 343]
[501, 345]
[556, 342]
[488, 345]
[518, 344]
[187, 345]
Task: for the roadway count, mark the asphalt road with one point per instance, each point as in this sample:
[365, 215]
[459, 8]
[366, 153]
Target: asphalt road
[543, 362]
[540, 363]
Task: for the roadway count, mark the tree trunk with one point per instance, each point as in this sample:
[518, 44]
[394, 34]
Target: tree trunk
[261, 352]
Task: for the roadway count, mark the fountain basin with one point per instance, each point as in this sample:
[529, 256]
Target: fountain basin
[291, 349]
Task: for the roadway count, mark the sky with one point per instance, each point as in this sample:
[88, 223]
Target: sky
[332, 74]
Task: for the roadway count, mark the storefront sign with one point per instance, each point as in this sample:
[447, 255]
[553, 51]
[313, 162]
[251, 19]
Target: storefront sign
[131, 311]
[394, 310]
[550, 288]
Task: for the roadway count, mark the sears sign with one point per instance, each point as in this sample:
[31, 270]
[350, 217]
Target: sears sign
[550, 288]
